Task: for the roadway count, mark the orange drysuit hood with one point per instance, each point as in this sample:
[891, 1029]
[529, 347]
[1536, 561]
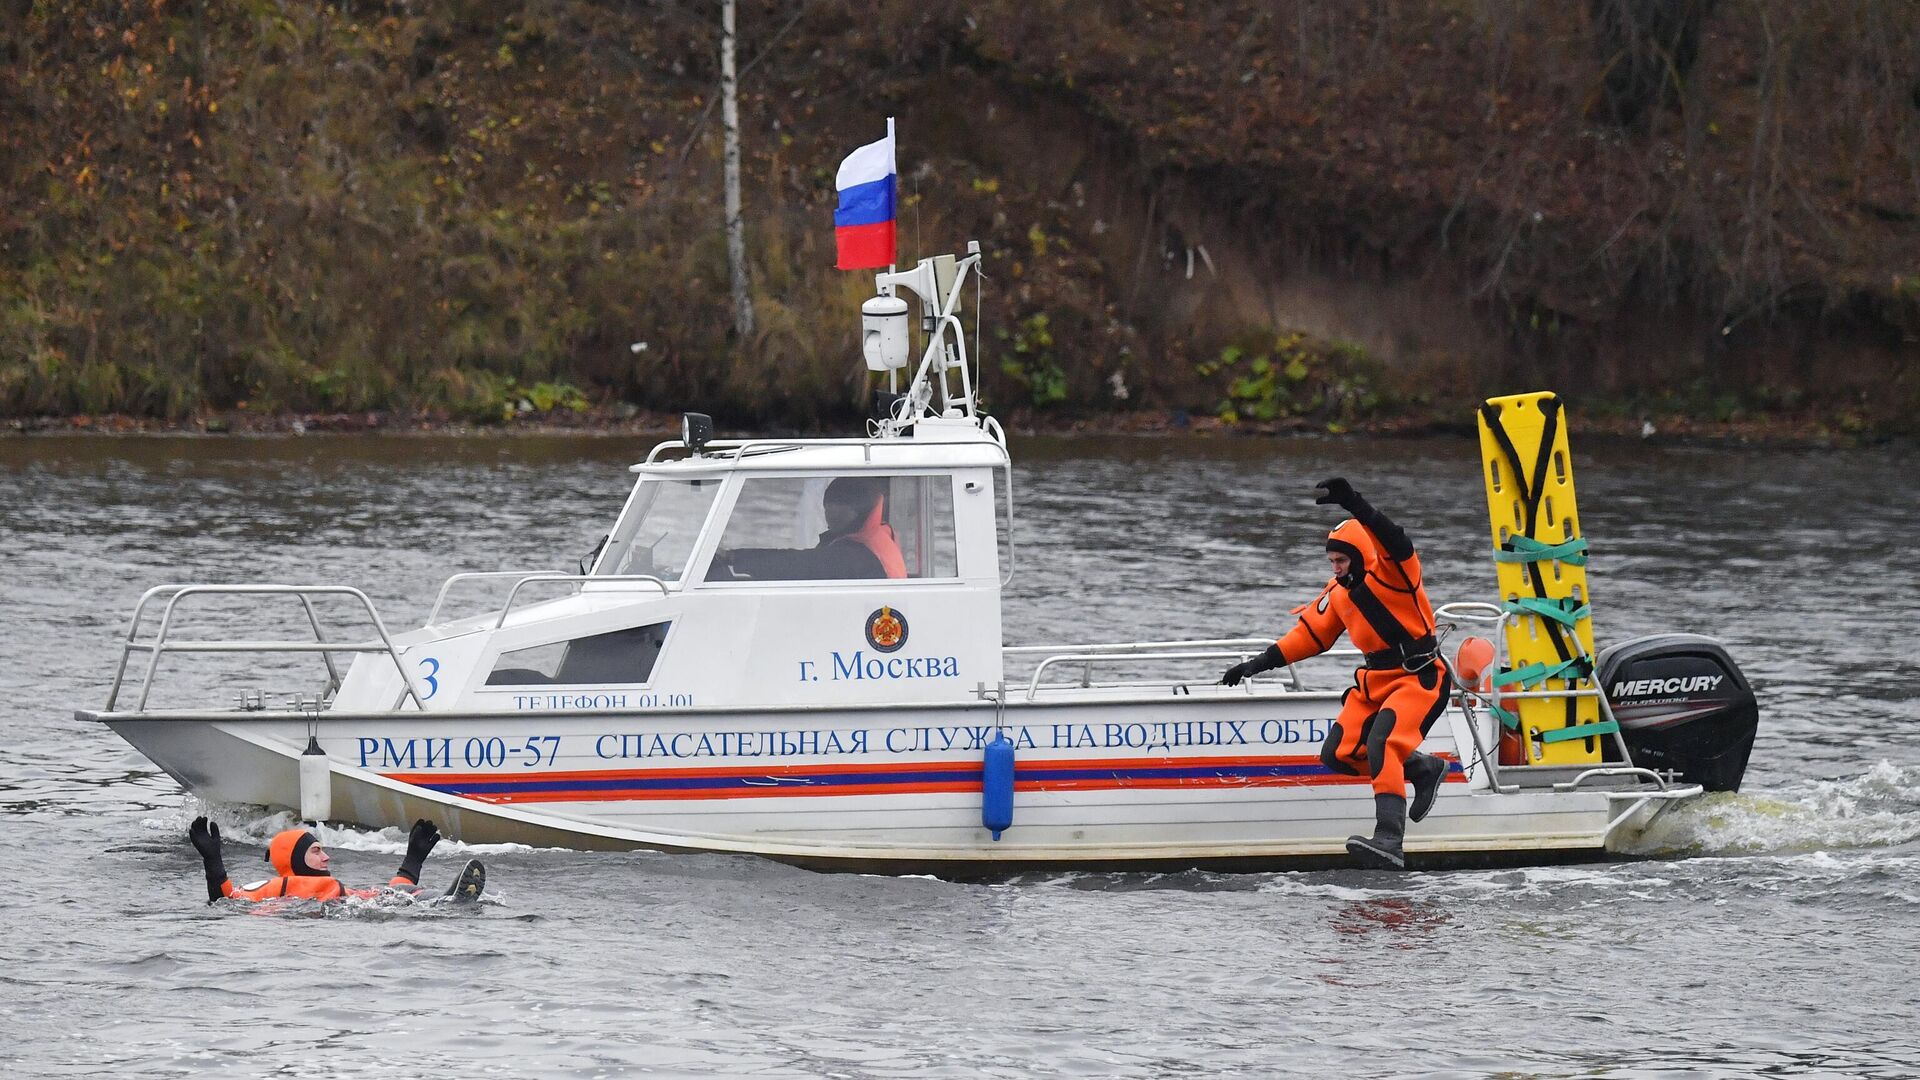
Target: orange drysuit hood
[288, 854]
[1350, 538]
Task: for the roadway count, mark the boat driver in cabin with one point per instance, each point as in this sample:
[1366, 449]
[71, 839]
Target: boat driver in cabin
[300, 866]
[1377, 596]
[858, 542]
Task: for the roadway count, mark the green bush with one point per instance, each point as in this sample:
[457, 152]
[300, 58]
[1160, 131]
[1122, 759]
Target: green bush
[1277, 376]
[1029, 360]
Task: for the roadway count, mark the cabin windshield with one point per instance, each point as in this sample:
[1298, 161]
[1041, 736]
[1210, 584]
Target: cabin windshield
[657, 534]
[837, 528]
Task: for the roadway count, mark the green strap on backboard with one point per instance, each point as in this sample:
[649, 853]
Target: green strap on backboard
[1525, 549]
[1583, 731]
[1534, 674]
[1566, 611]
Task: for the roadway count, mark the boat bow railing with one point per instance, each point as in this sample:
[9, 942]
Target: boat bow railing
[163, 643]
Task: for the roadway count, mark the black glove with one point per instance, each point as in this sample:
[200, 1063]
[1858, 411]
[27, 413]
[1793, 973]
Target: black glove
[419, 844]
[1392, 538]
[1338, 492]
[205, 837]
[1266, 661]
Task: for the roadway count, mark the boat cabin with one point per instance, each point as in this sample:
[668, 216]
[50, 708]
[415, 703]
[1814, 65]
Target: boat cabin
[762, 573]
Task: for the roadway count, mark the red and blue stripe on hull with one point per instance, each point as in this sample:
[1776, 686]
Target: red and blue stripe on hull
[919, 778]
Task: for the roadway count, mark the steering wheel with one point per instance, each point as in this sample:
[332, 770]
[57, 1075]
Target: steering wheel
[640, 558]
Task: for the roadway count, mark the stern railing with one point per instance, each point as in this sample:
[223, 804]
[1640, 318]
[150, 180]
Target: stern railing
[1493, 619]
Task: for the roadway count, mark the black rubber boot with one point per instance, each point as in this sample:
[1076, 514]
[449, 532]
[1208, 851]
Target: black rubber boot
[1382, 850]
[1427, 773]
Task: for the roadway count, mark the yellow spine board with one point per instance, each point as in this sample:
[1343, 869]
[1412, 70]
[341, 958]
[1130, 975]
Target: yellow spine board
[1538, 503]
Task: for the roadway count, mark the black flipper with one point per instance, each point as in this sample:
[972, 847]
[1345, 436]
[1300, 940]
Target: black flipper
[469, 885]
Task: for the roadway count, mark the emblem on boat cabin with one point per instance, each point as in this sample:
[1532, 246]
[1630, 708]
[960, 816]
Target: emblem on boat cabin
[887, 630]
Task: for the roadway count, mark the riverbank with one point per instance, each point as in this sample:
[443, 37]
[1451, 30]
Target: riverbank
[1805, 431]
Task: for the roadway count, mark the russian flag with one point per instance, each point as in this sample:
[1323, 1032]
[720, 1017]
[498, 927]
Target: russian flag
[863, 231]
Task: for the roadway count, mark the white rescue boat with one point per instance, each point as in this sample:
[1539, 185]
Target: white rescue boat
[716, 680]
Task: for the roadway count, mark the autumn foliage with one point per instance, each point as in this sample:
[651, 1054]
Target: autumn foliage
[417, 206]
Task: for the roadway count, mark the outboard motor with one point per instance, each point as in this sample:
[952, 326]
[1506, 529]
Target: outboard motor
[1683, 706]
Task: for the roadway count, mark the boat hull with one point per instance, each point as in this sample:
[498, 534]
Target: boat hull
[1233, 785]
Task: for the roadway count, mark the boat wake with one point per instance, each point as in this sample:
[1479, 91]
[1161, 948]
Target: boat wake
[1878, 809]
[1832, 831]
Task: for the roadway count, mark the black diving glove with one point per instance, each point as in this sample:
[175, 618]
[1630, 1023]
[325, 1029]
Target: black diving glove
[1266, 661]
[205, 837]
[419, 844]
[1338, 492]
[1393, 539]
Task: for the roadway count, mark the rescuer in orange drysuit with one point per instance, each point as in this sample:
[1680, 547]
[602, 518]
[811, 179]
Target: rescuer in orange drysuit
[1377, 597]
[300, 864]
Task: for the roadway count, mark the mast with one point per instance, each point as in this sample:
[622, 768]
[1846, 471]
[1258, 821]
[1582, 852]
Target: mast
[937, 283]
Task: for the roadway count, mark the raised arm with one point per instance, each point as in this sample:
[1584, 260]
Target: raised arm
[420, 843]
[205, 837]
[1393, 540]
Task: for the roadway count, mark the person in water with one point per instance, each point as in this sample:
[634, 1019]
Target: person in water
[858, 542]
[300, 865]
[1377, 596]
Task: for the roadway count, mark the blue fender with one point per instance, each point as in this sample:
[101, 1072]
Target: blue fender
[996, 786]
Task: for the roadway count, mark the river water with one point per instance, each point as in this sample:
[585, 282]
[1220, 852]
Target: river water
[1767, 933]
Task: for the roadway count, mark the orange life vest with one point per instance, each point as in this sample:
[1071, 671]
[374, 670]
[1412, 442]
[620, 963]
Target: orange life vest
[878, 537]
[305, 887]
[1384, 609]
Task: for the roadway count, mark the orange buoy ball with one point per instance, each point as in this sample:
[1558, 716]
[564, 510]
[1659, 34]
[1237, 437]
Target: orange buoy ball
[1472, 659]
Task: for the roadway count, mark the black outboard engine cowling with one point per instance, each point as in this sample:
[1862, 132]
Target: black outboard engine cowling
[1683, 706]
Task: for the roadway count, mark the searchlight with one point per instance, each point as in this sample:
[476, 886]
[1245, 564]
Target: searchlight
[696, 430]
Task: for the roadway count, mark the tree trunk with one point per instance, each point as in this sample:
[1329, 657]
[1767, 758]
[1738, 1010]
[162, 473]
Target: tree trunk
[1648, 47]
[736, 229]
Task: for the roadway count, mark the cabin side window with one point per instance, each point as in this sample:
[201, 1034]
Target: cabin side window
[839, 528]
[617, 658]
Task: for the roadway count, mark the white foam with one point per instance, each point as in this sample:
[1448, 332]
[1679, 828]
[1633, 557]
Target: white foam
[1294, 885]
[1880, 808]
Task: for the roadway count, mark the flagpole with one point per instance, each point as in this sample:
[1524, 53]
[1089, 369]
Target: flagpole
[893, 170]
